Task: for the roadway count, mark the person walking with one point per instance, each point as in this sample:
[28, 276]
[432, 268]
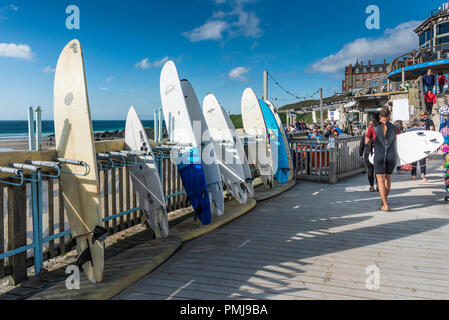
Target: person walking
[415, 126]
[427, 122]
[442, 80]
[430, 98]
[365, 150]
[428, 80]
[383, 136]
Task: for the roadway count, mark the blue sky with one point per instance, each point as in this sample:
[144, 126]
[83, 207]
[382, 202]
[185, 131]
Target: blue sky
[221, 46]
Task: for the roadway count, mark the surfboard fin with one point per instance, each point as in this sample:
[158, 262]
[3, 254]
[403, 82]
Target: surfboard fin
[100, 234]
[71, 245]
[83, 258]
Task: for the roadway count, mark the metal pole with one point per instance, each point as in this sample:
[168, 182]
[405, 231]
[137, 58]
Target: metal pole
[403, 76]
[155, 124]
[321, 109]
[160, 125]
[265, 85]
[31, 137]
[38, 128]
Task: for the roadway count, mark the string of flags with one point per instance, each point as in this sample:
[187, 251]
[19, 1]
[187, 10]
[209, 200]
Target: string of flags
[295, 97]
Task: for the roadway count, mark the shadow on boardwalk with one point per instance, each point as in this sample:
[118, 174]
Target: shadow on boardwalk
[315, 242]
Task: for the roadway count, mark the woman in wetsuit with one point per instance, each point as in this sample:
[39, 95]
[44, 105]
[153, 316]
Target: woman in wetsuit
[365, 150]
[383, 137]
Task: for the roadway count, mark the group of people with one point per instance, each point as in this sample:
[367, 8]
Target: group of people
[377, 147]
[430, 81]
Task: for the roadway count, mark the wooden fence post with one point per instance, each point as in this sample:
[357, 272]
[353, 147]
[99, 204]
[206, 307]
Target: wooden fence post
[17, 236]
[333, 166]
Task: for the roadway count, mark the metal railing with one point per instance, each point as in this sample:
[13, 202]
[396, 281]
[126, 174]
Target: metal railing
[418, 56]
[33, 222]
[327, 160]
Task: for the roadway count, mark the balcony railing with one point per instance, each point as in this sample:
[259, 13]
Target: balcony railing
[418, 56]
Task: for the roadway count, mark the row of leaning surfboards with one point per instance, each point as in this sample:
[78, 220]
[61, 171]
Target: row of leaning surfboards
[208, 152]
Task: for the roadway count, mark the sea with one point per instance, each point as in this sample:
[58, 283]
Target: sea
[19, 129]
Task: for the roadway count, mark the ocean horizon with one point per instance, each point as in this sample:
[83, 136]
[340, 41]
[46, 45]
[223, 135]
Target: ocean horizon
[18, 129]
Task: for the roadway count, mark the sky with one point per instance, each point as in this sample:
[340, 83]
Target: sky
[221, 46]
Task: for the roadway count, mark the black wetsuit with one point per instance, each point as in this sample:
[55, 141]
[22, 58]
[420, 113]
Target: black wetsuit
[365, 150]
[385, 149]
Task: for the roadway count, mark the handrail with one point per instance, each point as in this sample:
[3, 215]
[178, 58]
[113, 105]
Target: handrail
[416, 57]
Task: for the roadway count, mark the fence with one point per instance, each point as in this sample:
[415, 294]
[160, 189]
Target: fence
[119, 209]
[318, 160]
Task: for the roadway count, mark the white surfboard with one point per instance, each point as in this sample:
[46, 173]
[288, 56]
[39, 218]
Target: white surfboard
[186, 124]
[232, 161]
[284, 137]
[254, 124]
[415, 145]
[210, 165]
[75, 141]
[145, 176]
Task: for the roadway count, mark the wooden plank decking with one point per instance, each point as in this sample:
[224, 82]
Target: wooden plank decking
[315, 242]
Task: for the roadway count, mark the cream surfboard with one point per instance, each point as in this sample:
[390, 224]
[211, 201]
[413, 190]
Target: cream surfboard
[180, 120]
[254, 124]
[145, 176]
[234, 168]
[284, 138]
[75, 141]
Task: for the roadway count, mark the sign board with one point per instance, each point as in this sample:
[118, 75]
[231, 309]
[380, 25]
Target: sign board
[331, 144]
[334, 115]
[401, 110]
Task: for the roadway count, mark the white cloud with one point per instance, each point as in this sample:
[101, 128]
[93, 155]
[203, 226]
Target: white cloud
[12, 50]
[236, 22]
[212, 30]
[132, 90]
[394, 42]
[4, 11]
[238, 73]
[48, 69]
[103, 89]
[146, 64]
[109, 79]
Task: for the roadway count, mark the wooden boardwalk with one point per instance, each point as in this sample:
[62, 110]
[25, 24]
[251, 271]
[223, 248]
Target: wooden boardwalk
[316, 242]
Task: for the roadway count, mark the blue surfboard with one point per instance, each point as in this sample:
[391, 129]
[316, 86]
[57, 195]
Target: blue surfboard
[278, 149]
[194, 181]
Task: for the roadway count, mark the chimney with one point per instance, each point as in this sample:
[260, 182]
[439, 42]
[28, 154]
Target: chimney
[361, 63]
[369, 62]
[385, 61]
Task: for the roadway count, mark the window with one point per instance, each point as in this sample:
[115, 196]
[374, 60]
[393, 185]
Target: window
[443, 28]
[442, 40]
[380, 69]
[422, 39]
[365, 70]
[372, 69]
[357, 70]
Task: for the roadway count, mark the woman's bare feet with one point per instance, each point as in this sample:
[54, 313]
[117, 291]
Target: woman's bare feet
[371, 189]
[424, 178]
[413, 177]
[384, 208]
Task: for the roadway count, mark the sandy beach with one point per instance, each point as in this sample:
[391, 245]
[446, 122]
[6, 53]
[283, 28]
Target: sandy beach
[49, 142]
[22, 144]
